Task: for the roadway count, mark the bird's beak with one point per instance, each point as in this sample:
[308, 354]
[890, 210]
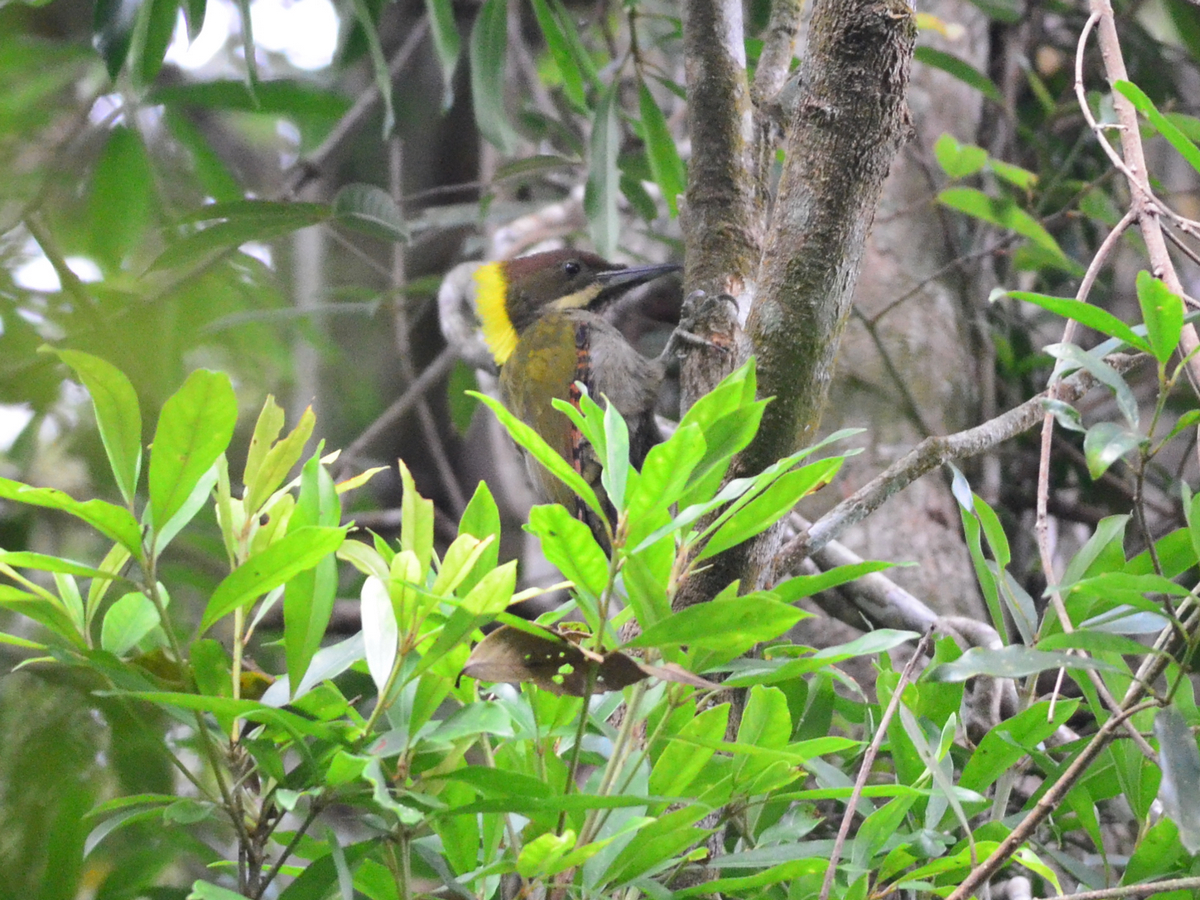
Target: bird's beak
[617, 281]
[623, 279]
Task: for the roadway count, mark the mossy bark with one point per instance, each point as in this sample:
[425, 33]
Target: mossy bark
[846, 119]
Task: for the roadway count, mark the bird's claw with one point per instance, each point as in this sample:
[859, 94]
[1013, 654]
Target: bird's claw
[698, 308]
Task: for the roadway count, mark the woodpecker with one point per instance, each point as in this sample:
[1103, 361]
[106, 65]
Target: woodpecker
[540, 319]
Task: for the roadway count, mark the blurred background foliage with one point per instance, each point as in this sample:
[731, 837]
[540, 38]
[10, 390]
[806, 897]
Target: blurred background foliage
[484, 129]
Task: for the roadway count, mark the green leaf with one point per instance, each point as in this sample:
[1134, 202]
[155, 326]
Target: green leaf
[1180, 762]
[308, 597]
[203, 890]
[489, 58]
[110, 567]
[603, 183]
[372, 211]
[462, 407]
[957, 68]
[301, 101]
[461, 557]
[28, 560]
[127, 621]
[560, 50]
[1014, 175]
[766, 724]
[112, 31]
[47, 612]
[1165, 126]
[532, 443]
[248, 50]
[152, 37]
[380, 632]
[113, 522]
[1084, 313]
[993, 531]
[118, 415]
[1064, 414]
[236, 223]
[770, 506]
[1105, 443]
[481, 519]
[72, 601]
[266, 432]
[416, 521]
[723, 622]
[569, 546]
[666, 470]
[193, 14]
[615, 473]
[748, 672]
[1004, 212]
[1009, 741]
[665, 162]
[802, 586]
[287, 557]
[1162, 311]
[659, 843]
[959, 160]
[194, 428]
[1076, 357]
[1014, 661]
[493, 593]
[1105, 544]
[682, 759]
[122, 197]
[446, 43]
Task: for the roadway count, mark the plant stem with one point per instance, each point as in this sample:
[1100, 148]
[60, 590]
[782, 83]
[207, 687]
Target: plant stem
[381, 703]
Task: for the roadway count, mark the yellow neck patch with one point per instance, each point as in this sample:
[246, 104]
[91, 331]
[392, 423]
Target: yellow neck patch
[491, 295]
[579, 299]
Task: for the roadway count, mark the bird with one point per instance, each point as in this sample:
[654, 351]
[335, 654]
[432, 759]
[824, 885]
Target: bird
[540, 317]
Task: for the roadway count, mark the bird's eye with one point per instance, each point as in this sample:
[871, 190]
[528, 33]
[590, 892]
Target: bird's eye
[571, 268]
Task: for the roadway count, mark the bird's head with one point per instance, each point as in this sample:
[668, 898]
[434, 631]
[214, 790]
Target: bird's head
[512, 295]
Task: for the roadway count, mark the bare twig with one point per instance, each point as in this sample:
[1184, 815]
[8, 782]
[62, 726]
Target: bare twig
[1132, 164]
[868, 760]
[778, 49]
[1048, 803]
[429, 428]
[68, 279]
[1042, 526]
[433, 373]
[1139, 890]
[306, 168]
[927, 456]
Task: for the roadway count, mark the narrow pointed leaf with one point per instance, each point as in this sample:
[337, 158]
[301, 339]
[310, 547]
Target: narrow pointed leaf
[301, 549]
[1162, 311]
[489, 59]
[194, 428]
[603, 184]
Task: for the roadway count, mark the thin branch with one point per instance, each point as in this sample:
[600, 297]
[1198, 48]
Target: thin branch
[938, 274]
[400, 407]
[68, 279]
[1042, 525]
[399, 276]
[927, 456]
[778, 50]
[868, 760]
[1139, 890]
[1132, 165]
[309, 167]
[1048, 803]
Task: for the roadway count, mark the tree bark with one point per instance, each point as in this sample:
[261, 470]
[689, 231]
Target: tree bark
[846, 123]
